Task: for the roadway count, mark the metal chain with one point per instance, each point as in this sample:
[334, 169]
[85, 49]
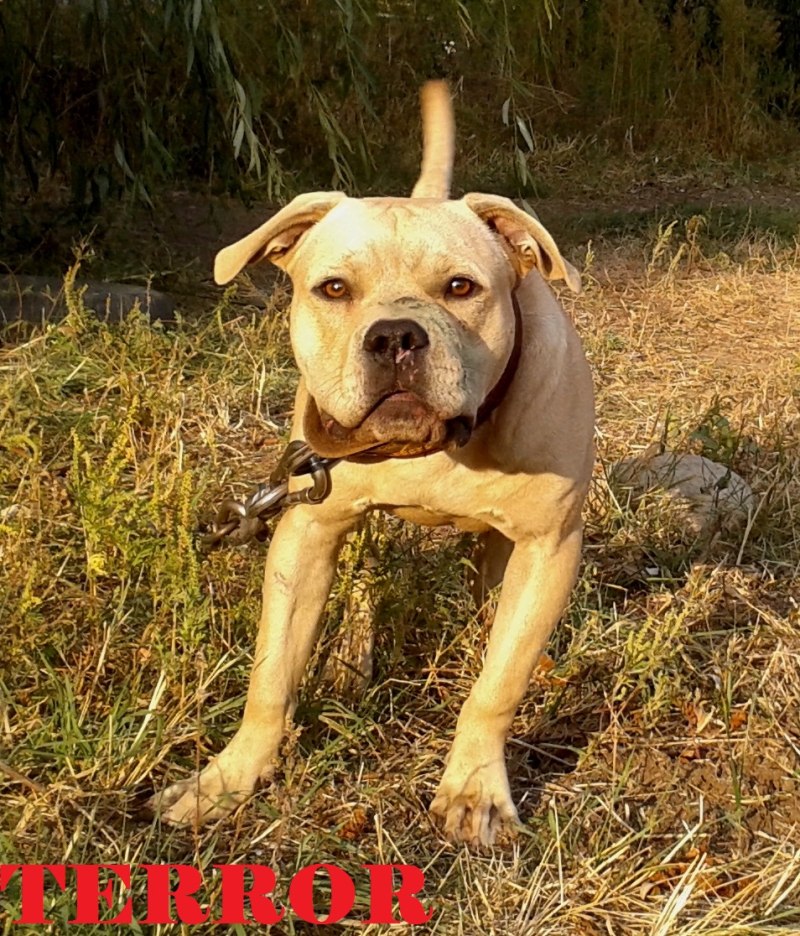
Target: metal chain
[240, 522]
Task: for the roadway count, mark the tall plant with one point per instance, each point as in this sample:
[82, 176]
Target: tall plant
[113, 93]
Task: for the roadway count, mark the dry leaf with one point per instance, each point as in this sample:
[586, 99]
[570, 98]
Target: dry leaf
[355, 825]
[738, 719]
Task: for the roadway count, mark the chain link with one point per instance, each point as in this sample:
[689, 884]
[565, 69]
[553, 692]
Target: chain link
[240, 522]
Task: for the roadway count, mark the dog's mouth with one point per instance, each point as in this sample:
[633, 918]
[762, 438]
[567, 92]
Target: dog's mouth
[399, 425]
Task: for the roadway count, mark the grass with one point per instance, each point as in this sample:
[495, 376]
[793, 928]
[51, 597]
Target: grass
[656, 764]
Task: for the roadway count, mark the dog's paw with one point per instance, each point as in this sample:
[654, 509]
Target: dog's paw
[211, 794]
[474, 800]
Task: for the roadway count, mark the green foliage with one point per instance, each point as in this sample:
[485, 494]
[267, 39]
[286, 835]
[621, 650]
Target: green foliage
[716, 438]
[663, 731]
[107, 94]
[114, 467]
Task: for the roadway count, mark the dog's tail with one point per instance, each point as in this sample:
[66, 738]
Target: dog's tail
[438, 141]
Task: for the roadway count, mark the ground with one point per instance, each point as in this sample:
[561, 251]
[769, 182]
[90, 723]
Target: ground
[656, 759]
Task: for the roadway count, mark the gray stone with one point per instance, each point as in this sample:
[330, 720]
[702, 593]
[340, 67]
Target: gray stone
[38, 300]
[708, 495]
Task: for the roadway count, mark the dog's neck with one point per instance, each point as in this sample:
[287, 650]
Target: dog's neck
[497, 394]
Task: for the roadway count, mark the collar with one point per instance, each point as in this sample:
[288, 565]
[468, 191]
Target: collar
[496, 395]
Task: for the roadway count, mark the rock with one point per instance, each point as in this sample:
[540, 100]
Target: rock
[38, 300]
[708, 496]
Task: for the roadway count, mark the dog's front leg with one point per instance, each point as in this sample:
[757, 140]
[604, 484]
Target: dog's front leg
[297, 581]
[474, 798]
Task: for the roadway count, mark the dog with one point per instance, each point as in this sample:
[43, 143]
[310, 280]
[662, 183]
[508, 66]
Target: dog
[438, 365]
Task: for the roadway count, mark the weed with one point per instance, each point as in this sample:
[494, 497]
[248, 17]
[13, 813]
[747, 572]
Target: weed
[655, 762]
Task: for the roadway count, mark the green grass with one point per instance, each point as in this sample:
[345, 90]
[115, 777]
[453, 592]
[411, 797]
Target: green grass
[722, 226]
[655, 765]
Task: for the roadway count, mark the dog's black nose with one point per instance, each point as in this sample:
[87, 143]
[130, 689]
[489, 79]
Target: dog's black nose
[393, 339]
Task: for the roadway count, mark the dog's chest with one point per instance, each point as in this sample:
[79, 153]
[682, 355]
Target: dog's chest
[426, 517]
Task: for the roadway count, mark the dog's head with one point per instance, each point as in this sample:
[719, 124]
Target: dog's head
[402, 318]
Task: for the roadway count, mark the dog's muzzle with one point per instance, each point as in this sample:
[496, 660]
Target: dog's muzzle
[401, 424]
[395, 361]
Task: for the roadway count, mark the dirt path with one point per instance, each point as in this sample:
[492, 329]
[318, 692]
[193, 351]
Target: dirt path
[193, 227]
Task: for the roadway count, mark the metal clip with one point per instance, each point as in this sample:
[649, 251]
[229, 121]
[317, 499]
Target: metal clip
[239, 522]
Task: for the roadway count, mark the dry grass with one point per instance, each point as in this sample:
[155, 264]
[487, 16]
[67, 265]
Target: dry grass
[656, 765]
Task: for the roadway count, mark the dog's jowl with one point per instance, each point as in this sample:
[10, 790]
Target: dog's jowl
[437, 363]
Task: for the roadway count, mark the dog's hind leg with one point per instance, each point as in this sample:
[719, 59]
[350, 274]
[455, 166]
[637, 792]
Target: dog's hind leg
[489, 559]
[348, 668]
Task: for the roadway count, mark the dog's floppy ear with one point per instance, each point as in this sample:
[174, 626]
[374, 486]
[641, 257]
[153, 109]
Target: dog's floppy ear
[530, 243]
[276, 237]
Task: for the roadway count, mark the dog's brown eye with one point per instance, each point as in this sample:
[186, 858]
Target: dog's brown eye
[334, 289]
[460, 287]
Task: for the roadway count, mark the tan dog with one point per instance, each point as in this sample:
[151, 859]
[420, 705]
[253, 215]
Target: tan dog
[425, 333]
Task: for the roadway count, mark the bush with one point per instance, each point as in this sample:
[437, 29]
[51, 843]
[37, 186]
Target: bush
[106, 94]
